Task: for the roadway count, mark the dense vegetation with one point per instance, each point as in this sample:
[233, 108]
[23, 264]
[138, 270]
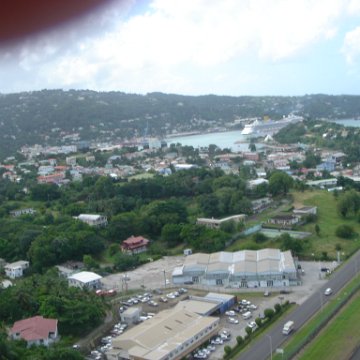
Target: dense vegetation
[44, 117]
[164, 209]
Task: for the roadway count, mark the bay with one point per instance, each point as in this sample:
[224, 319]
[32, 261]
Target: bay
[347, 122]
[229, 139]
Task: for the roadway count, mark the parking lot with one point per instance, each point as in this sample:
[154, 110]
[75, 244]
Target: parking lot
[157, 275]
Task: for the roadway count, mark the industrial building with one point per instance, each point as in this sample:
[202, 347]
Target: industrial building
[170, 335]
[241, 269]
[212, 303]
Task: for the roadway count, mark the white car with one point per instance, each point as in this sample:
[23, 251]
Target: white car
[233, 320]
[252, 325]
[328, 291]
[230, 313]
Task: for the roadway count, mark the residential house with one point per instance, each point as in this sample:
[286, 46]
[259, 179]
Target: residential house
[16, 269]
[28, 211]
[85, 279]
[216, 223]
[306, 210]
[135, 245]
[35, 331]
[252, 184]
[284, 220]
[93, 219]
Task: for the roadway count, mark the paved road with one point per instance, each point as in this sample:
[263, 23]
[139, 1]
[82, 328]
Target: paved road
[273, 339]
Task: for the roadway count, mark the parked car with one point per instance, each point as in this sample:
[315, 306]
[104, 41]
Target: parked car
[230, 313]
[233, 320]
[252, 325]
[267, 293]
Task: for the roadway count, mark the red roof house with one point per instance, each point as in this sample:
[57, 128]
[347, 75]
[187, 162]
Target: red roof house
[36, 330]
[135, 245]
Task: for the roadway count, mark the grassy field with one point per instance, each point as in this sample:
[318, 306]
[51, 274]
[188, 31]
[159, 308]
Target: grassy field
[303, 335]
[339, 337]
[328, 220]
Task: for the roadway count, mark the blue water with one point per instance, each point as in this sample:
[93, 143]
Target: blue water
[222, 140]
[347, 122]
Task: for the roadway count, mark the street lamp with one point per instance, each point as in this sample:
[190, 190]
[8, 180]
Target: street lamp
[164, 277]
[321, 300]
[269, 336]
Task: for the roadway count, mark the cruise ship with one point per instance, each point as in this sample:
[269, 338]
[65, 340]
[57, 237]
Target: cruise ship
[262, 128]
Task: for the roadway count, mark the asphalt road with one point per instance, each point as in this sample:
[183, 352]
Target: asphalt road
[273, 339]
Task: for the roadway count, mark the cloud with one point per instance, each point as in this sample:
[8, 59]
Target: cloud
[170, 42]
[351, 46]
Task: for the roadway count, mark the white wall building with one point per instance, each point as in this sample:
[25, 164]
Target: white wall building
[93, 219]
[16, 269]
[85, 279]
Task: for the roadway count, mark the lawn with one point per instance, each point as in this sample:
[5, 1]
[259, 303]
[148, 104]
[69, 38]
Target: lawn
[339, 337]
[328, 220]
[304, 335]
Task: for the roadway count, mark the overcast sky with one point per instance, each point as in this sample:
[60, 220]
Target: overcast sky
[224, 47]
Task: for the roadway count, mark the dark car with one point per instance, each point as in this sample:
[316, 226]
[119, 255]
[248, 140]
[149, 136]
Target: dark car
[285, 291]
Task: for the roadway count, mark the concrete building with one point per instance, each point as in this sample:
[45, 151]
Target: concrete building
[16, 269]
[171, 334]
[35, 331]
[131, 315]
[86, 279]
[216, 223]
[241, 269]
[212, 303]
[306, 210]
[93, 220]
[28, 211]
[286, 221]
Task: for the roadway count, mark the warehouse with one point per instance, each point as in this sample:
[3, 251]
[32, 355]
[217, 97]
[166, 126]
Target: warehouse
[171, 334]
[241, 269]
[210, 304]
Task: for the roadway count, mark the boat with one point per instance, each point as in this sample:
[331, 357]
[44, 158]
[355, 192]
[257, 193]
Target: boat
[262, 128]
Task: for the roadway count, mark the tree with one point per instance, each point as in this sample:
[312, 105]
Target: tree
[227, 349]
[277, 308]
[259, 237]
[89, 262]
[269, 313]
[248, 331]
[289, 243]
[344, 231]
[258, 322]
[239, 340]
[280, 183]
[171, 234]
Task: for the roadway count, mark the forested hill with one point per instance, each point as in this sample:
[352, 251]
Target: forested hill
[45, 117]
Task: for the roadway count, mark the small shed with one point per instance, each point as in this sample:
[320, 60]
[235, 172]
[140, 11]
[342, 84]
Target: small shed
[131, 315]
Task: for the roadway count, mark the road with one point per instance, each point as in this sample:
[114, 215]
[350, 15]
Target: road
[273, 339]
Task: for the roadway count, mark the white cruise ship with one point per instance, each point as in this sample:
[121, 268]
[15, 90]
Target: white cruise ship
[261, 128]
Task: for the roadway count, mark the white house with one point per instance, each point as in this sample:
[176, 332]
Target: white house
[16, 269]
[93, 220]
[85, 279]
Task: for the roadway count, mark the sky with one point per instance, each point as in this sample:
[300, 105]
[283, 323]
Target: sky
[195, 47]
